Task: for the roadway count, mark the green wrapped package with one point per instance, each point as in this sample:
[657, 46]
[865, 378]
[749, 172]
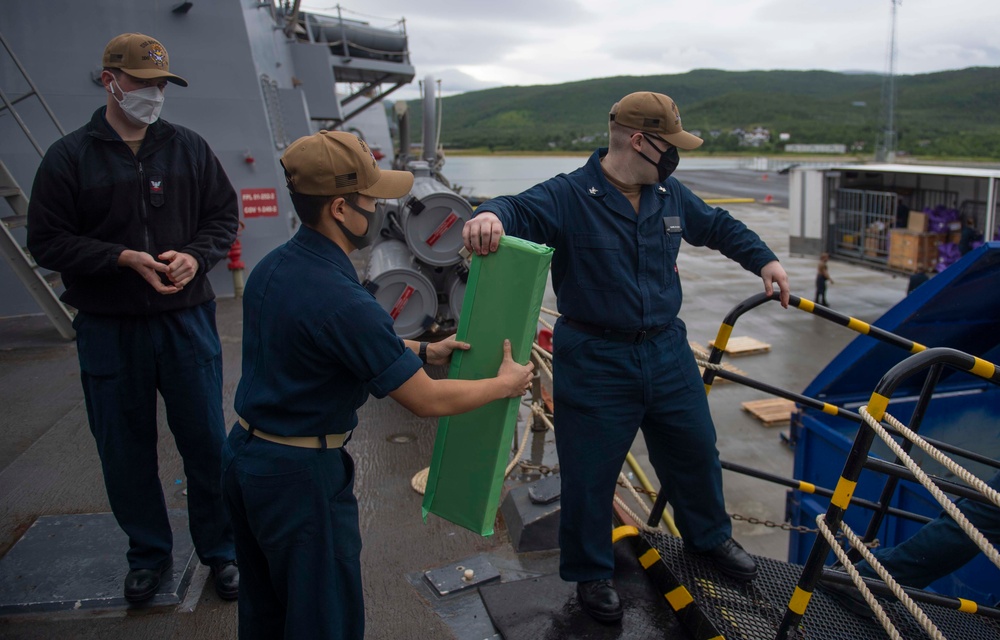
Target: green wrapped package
[503, 297]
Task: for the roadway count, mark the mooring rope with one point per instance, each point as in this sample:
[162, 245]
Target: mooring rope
[869, 597]
[945, 502]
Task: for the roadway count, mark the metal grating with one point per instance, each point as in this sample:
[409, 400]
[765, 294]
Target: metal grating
[753, 611]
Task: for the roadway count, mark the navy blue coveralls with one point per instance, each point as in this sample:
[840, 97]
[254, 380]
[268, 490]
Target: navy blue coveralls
[616, 270]
[315, 344]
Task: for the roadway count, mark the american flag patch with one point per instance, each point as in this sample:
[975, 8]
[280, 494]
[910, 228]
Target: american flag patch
[346, 180]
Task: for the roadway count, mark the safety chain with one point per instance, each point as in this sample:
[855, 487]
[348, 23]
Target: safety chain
[637, 488]
[784, 526]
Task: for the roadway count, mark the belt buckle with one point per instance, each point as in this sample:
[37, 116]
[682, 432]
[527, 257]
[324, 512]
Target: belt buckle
[640, 337]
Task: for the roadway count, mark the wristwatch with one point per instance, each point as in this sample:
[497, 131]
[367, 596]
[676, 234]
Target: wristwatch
[423, 352]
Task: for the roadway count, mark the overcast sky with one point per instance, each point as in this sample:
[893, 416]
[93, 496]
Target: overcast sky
[476, 44]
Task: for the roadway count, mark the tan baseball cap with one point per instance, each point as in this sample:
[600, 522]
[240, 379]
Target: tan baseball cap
[140, 56]
[654, 113]
[336, 163]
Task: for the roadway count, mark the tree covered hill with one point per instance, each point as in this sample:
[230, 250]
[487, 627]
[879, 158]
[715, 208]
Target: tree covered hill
[950, 113]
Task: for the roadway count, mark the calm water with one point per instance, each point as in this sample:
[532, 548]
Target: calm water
[502, 175]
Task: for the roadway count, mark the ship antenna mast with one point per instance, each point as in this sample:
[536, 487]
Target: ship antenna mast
[886, 150]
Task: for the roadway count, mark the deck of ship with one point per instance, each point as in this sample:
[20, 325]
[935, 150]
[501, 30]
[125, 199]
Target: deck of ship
[49, 465]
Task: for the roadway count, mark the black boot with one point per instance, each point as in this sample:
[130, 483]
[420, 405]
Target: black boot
[730, 558]
[227, 580]
[142, 584]
[600, 599]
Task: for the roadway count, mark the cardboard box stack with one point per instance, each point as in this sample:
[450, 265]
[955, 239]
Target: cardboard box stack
[913, 250]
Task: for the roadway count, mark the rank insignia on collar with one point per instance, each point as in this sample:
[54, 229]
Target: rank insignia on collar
[592, 191]
[662, 189]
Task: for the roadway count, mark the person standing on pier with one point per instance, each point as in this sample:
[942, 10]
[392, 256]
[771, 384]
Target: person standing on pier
[316, 343]
[822, 277]
[621, 356]
[134, 211]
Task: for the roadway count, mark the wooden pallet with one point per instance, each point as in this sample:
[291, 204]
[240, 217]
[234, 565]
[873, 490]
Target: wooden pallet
[743, 346]
[772, 412]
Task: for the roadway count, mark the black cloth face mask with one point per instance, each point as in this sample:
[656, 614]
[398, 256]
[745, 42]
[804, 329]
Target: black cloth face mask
[669, 159]
[362, 241]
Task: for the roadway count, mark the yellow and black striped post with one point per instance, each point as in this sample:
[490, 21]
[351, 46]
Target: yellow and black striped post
[691, 617]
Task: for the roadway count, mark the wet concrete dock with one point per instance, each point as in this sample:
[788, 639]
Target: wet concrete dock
[49, 464]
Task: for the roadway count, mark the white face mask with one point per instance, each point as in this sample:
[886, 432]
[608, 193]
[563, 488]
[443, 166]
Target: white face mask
[142, 106]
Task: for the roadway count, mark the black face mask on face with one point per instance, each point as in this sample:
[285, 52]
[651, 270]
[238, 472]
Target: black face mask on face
[374, 223]
[669, 160]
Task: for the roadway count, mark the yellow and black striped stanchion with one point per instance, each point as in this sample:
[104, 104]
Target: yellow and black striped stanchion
[691, 617]
[858, 326]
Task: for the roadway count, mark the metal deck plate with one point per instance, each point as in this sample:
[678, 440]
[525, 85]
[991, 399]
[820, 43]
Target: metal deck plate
[72, 562]
[753, 611]
[451, 578]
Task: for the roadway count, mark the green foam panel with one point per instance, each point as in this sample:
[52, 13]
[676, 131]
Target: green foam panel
[503, 297]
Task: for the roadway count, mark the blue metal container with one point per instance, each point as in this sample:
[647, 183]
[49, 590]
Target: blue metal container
[958, 308]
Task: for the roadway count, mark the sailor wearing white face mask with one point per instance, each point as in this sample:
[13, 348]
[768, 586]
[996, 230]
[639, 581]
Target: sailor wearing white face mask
[141, 106]
[134, 211]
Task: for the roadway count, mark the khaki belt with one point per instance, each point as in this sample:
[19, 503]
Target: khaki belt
[333, 440]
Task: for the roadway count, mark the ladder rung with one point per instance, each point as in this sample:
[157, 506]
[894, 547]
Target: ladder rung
[14, 222]
[54, 279]
[6, 192]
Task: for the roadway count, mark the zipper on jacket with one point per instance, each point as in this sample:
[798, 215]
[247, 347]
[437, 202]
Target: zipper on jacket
[144, 217]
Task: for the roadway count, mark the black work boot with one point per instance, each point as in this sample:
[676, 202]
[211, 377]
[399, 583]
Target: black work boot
[142, 584]
[730, 558]
[227, 580]
[600, 599]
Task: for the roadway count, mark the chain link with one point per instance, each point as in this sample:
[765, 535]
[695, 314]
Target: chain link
[784, 526]
[637, 488]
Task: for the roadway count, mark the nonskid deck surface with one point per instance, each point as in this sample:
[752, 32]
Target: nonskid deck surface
[753, 611]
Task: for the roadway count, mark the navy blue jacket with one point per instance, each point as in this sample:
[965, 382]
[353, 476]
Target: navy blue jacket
[612, 267]
[315, 342]
[93, 198]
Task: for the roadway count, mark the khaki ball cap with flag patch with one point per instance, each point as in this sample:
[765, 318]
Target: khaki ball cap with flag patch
[654, 113]
[336, 163]
[140, 56]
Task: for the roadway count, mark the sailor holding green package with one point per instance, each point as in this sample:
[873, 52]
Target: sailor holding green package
[621, 358]
[315, 345]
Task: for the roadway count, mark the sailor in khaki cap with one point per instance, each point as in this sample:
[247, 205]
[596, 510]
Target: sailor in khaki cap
[315, 344]
[134, 212]
[622, 358]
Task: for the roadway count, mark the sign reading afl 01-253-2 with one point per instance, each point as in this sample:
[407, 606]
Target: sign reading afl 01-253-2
[259, 203]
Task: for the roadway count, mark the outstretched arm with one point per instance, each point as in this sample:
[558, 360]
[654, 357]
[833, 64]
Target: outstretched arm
[428, 397]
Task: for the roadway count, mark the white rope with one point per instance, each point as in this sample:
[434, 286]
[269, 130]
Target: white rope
[945, 502]
[876, 606]
[546, 324]
[542, 357]
[554, 314]
[970, 479]
[536, 413]
[866, 593]
[639, 521]
[520, 448]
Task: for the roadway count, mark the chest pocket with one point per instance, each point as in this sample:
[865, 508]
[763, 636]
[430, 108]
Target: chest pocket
[595, 261]
[672, 234]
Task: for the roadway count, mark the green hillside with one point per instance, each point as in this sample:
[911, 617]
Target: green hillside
[951, 113]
